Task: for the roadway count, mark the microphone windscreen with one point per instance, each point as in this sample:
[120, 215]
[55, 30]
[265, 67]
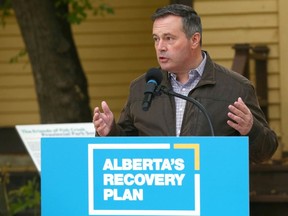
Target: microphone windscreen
[154, 74]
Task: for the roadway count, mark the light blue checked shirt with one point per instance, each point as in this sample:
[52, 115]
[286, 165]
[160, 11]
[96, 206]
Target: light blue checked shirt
[184, 89]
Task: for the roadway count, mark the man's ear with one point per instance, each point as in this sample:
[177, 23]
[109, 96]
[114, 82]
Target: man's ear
[195, 39]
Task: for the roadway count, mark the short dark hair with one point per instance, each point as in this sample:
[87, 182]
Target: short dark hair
[190, 19]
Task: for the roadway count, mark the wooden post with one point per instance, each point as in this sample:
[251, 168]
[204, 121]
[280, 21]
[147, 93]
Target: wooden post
[241, 59]
[4, 209]
[260, 55]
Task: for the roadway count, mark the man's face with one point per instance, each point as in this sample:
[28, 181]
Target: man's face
[172, 47]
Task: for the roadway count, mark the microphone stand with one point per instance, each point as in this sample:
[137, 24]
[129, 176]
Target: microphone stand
[165, 90]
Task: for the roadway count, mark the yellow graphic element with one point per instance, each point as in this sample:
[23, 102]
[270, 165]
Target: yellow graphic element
[196, 148]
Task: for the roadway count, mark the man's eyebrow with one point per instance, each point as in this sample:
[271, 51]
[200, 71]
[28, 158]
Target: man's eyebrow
[165, 34]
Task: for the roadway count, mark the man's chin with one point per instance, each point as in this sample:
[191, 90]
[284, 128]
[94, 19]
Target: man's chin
[165, 67]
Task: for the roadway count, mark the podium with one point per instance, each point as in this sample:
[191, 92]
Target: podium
[145, 176]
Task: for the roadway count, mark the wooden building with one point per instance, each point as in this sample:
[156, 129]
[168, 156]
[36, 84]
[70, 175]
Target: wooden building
[115, 49]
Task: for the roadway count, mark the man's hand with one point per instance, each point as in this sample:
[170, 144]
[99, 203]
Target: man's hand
[103, 121]
[241, 117]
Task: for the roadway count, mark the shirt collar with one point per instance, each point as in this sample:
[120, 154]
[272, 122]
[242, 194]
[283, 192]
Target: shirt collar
[199, 69]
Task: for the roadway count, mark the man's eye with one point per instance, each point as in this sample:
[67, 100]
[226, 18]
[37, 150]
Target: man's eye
[168, 38]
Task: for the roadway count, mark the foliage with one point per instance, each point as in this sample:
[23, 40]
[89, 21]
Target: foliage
[25, 198]
[5, 6]
[78, 9]
[20, 54]
[76, 14]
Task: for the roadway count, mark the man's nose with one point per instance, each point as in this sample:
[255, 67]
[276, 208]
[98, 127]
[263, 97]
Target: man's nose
[161, 46]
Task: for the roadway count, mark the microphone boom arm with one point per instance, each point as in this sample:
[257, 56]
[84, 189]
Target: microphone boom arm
[164, 90]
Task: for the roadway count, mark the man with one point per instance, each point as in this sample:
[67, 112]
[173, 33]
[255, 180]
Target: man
[229, 98]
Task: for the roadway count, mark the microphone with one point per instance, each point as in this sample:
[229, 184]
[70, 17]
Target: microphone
[153, 78]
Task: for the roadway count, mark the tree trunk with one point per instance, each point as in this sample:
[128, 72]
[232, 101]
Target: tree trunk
[61, 85]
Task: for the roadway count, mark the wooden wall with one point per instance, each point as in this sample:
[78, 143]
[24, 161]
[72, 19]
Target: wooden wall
[256, 22]
[283, 68]
[117, 48]
[17, 95]
[114, 49]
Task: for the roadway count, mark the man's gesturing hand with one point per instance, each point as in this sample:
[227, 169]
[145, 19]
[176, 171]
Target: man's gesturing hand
[103, 121]
[241, 117]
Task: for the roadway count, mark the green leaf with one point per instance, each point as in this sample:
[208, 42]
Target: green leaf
[19, 55]
[5, 11]
[78, 9]
[26, 197]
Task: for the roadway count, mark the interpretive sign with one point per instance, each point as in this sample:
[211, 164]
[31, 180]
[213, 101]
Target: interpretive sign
[31, 135]
[145, 176]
